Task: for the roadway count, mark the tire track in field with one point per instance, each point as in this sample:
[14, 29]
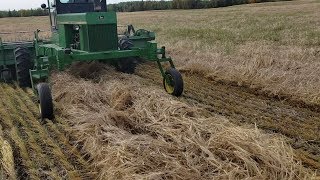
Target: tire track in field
[301, 125]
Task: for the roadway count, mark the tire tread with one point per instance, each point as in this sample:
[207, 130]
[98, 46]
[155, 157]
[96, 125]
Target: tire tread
[46, 103]
[23, 65]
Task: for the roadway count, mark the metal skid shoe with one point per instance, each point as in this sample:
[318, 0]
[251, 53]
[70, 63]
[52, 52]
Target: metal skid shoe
[45, 101]
[173, 82]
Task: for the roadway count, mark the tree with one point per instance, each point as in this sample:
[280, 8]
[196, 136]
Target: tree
[9, 13]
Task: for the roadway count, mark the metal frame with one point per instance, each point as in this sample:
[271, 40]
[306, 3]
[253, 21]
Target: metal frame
[52, 55]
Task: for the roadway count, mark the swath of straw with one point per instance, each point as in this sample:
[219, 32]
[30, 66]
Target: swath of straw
[7, 170]
[147, 134]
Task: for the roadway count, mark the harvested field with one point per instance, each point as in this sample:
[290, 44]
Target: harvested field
[33, 150]
[270, 47]
[118, 126]
[23, 28]
[251, 105]
[132, 129]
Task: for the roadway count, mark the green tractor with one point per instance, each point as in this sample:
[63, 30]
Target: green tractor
[82, 31]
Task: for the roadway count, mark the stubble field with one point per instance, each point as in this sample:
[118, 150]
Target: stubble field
[250, 108]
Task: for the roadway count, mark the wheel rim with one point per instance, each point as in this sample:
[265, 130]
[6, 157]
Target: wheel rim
[169, 85]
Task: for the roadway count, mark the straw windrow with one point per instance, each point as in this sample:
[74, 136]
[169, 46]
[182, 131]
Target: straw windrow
[135, 131]
[7, 170]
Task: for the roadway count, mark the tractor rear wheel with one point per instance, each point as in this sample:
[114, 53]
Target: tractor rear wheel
[126, 65]
[173, 82]
[23, 65]
[45, 99]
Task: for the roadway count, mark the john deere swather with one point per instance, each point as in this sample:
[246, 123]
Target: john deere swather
[82, 30]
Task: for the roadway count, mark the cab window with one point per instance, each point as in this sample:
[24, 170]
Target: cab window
[76, 1]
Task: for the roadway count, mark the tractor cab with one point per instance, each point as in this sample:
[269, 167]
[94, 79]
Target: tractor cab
[57, 7]
[80, 6]
[83, 25]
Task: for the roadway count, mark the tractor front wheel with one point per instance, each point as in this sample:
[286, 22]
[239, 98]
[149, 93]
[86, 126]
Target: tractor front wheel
[126, 65]
[173, 82]
[45, 99]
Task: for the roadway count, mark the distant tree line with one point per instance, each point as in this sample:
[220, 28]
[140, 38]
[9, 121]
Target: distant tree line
[23, 13]
[177, 4]
[132, 6]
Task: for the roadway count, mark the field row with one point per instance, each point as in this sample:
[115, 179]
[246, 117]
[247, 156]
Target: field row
[39, 150]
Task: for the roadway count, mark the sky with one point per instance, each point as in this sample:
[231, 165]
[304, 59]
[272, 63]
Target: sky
[27, 4]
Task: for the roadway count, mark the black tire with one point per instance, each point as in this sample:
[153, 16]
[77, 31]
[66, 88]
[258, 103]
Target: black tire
[45, 100]
[6, 75]
[175, 86]
[23, 65]
[126, 65]
[125, 43]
